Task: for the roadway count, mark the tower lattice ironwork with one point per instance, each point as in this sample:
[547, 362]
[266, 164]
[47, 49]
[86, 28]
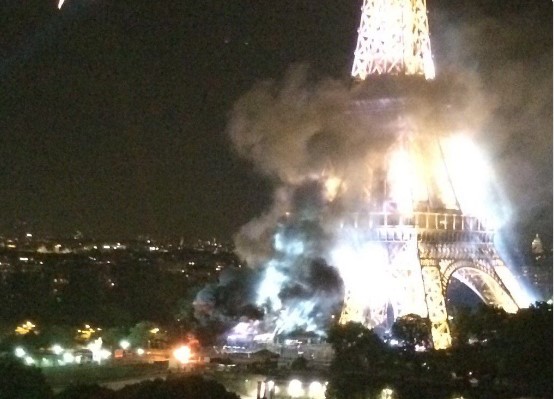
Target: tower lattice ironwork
[393, 38]
[425, 247]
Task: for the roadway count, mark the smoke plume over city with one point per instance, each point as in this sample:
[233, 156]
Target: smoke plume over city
[333, 152]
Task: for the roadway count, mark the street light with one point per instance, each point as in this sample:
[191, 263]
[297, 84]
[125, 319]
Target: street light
[20, 352]
[56, 349]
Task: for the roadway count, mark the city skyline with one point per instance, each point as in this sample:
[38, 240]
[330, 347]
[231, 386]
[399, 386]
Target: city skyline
[113, 116]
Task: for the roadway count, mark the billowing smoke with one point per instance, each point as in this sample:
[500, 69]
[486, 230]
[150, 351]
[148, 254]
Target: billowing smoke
[336, 151]
[510, 48]
[231, 298]
[334, 157]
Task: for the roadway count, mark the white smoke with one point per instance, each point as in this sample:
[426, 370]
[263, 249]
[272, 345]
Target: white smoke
[328, 149]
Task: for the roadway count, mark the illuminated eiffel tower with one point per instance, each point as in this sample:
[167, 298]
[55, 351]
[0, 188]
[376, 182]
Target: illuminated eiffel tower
[433, 241]
[393, 39]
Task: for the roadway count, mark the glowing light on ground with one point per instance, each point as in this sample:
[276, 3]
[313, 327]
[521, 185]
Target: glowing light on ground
[268, 388]
[19, 352]
[68, 357]
[182, 354]
[316, 390]
[295, 389]
[387, 393]
[98, 353]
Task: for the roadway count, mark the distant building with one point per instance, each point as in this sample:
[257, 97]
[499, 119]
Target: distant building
[538, 273]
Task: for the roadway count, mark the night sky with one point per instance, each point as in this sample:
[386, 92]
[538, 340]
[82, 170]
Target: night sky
[113, 114]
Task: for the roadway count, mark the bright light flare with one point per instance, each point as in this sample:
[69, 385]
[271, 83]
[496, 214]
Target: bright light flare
[271, 286]
[295, 389]
[332, 186]
[56, 349]
[267, 387]
[316, 390]
[98, 353]
[428, 66]
[60, 4]
[471, 176]
[182, 354]
[289, 246]
[387, 393]
[68, 357]
[105, 354]
[404, 184]
[363, 267]
[20, 352]
[521, 297]
[124, 344]
[297, 316]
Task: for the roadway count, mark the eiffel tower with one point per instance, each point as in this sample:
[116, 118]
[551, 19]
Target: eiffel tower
[432, 242]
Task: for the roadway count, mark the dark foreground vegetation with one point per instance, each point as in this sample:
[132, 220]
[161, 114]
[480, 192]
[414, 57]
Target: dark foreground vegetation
[494, 355]
[21, 382]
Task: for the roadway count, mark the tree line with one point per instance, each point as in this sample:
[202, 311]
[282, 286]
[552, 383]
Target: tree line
[494, 355]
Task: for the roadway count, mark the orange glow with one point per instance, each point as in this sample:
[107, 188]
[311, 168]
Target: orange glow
[25, 328]
[182, 354]
[332, 186]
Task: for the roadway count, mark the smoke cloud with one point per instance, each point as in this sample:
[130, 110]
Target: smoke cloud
[509, 47]
[326, 146]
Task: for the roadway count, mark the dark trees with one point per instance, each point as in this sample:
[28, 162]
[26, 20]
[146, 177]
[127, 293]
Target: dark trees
[19, 381]
[359, 353]
[187, 387]
[412, 330]
[92, 391]
[523, 349]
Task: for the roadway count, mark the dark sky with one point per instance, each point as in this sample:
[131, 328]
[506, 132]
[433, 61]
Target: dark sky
[113, 113]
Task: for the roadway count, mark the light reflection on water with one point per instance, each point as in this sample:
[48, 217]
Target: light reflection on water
[313, 389]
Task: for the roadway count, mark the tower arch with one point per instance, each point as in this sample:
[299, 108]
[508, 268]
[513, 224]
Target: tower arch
[479, 276]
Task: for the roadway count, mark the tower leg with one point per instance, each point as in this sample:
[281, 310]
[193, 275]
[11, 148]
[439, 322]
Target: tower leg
[436, 303]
